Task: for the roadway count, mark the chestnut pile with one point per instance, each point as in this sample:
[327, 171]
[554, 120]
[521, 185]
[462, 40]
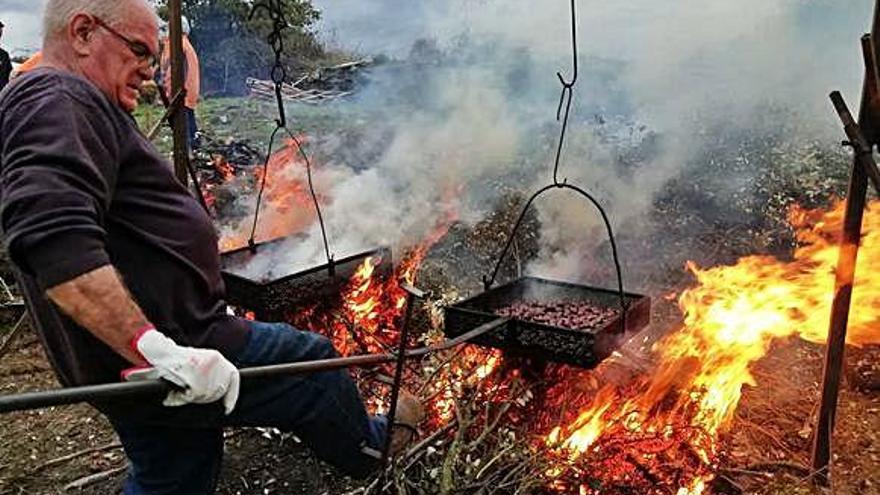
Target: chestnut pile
[569, 314]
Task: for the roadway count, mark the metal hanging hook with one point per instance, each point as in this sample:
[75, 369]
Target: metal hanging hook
[275, 11]
[566, 97]
[565, 101]
[275, 39]
[574, 51]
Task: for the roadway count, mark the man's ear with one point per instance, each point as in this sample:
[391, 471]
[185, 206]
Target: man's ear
[80, 31]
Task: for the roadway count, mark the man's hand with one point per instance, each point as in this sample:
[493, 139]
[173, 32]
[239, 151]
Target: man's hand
[204, 375]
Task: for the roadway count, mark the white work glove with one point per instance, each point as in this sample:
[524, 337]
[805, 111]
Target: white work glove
[203, 375]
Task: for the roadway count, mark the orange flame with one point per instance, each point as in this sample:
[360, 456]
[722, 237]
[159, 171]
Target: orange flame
[732, 316]
[226, 171]
[369, 316]
[286, 207]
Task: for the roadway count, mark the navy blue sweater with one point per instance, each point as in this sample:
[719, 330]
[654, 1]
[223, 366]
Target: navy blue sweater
[83, 188]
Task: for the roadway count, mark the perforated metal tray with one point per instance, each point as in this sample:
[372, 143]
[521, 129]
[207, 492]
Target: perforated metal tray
[585, 347]
[277, 299]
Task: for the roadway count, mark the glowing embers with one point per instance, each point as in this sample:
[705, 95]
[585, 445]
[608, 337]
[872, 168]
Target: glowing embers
[579, 325]
[661, 433]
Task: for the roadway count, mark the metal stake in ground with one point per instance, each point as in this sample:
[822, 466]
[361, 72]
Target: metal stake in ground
[411, 295]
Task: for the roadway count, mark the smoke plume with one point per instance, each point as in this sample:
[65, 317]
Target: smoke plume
[468, 100]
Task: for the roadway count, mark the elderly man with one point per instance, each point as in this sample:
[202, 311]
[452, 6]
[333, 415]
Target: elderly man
[121, 271]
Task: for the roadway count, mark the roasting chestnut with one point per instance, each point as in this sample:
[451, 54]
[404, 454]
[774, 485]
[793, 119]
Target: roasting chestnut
[578, 315]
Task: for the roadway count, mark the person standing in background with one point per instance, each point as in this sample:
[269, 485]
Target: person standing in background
[5, 63]
[191, 78]
[28, 65]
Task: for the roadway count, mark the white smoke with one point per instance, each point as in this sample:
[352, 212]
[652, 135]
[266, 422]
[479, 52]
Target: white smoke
[673, 67]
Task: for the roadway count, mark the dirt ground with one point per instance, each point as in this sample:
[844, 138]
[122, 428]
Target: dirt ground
[772, 431]
[45, 451]
[73, 450]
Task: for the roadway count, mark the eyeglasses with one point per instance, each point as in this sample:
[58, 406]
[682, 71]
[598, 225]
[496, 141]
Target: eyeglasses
[138, 49]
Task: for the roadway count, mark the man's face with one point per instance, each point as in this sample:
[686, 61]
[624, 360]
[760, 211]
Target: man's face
[112, 62]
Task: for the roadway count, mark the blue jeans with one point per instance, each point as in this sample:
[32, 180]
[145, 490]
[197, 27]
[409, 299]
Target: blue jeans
[179, 450]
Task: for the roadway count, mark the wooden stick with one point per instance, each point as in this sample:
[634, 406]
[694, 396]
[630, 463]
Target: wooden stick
[75, 455]
[863, 152]
[846, 266]
[166, 117]
[94, 478]
[16, 330]
[175, 28]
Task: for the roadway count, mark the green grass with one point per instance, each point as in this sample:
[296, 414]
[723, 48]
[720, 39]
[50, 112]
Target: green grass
[252, 120]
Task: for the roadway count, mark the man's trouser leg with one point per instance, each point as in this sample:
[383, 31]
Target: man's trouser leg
[167, 460]
[179, 450]
[322, 409]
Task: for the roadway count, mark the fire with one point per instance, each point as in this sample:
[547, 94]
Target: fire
[287, 206]
[369, 318]
[370, 314]
[226, 171]
[661, 432]
[668, 423]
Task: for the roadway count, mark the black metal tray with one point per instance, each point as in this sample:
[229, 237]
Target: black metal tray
[277, 299]
[582, 347]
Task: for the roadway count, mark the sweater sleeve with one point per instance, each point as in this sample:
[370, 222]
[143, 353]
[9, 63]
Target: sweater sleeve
[59, 161]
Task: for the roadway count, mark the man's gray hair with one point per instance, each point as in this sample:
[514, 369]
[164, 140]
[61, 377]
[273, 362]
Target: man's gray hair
[58, 13]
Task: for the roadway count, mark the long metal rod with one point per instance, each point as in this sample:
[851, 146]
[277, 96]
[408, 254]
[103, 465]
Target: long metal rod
[157, 388]
[846, 265]
[398, 375]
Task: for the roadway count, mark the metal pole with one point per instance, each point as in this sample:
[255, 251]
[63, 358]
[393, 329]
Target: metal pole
[157, 388]
[846, 266]
[411, 295]
[175, 37]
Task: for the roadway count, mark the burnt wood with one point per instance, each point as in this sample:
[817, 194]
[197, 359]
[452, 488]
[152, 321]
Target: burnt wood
[846, 265]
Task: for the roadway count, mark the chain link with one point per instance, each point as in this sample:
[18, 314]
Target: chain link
[275, 10]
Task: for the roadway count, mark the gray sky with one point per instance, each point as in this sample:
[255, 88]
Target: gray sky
[362, 25]
[22, 20]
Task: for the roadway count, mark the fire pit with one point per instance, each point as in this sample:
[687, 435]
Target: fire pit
[275, 299]
[556, 321]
